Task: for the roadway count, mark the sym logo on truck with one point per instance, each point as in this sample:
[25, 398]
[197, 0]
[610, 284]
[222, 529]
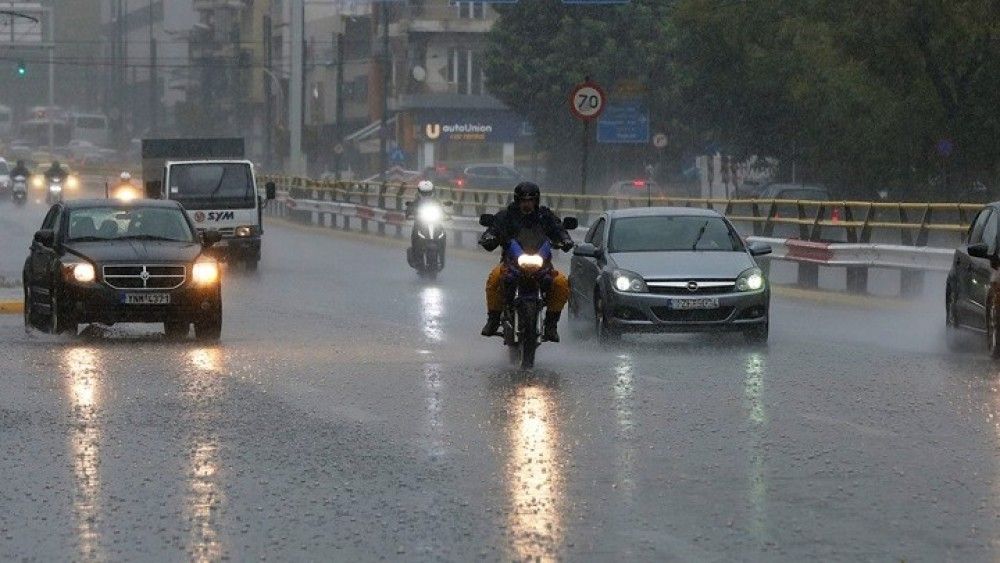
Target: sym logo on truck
[213, 216]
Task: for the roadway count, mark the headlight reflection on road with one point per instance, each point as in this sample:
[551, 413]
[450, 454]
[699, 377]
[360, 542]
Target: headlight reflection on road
[81, 364]
[432, 308]
[757, 420]
[432, 384]
[204, 359]
[624, 413]
[534, 475]
[204, 498]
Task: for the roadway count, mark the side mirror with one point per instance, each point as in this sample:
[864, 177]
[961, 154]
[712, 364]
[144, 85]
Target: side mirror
[759, 249]
[587, 250]
[210, 238]
[486, 220]
[45, 237]
[570, 223]
[978, 250]
[270, 191]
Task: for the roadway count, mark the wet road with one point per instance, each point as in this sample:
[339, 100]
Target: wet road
[352, 412]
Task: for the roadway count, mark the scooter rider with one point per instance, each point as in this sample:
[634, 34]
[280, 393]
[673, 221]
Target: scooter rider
[20, 169]
[425, 192]
[55, 171]
[525, 212]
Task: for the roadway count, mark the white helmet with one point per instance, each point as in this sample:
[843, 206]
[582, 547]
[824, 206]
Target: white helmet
[425, 187]
[125, 176]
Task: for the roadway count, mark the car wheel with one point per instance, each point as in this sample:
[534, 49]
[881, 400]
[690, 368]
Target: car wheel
[27, 309]
[758, 334]
[61, 320]
[953, 334]
[601, 327]
[176, 330]
[992, 334]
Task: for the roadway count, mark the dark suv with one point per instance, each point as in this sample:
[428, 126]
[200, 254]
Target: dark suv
[972, 293]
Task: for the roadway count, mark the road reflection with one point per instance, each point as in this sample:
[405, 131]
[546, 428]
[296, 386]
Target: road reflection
[432, 384]
[204, 386]
[757, 419]
[624, 401]
[431, 310]
[534, 474]
[81, 365]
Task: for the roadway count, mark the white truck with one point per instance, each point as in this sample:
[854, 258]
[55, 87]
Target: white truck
[217, 187]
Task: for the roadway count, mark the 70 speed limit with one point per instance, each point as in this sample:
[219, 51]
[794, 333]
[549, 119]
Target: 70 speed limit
[587, 101]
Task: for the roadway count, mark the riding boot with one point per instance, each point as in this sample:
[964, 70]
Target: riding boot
[551, 333]
[492, 324]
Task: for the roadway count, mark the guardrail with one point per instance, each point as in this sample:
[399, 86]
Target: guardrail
[856, 236]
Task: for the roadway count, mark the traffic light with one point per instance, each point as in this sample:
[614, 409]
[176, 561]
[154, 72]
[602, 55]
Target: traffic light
[22, 70]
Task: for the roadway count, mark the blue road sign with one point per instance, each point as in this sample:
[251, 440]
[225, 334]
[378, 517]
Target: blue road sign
[397, 155]
[624, 123]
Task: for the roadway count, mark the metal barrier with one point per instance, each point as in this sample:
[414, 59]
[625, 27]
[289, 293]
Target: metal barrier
[853, 235]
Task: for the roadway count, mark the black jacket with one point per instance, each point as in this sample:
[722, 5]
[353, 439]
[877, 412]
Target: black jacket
[21, 170]
[55, 172]
[509, 222]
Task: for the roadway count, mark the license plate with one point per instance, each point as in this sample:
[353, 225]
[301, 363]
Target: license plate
[146, 299]
[689, 304]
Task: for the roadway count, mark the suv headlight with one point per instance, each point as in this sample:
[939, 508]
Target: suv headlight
[82, 272]
[205, 273]
[244, 231]
[628, 282]
[750, 280]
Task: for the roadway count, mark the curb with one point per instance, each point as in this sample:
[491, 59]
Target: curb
[11, 307]
[838, 298]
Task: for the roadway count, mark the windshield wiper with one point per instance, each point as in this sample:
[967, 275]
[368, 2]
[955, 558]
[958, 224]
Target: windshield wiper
[88, 239]
[150, 237]
[701, 233]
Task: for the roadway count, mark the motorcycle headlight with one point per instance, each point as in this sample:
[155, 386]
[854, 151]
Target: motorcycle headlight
[530, 261]
[430, 213]
[628, 282]
[82, 272]
[750, 280]
[205, 273]
[244, 231]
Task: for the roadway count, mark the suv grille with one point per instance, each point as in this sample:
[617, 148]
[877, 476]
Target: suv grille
[145, 276]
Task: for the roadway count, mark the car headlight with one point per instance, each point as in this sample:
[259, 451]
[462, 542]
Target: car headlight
[38, 181]
[750, 280]
[430, 213]
[244, 231]
[72, 182]
[126, 193]
[205, 273]
[82, 272]
[530, 261]
[628, 282]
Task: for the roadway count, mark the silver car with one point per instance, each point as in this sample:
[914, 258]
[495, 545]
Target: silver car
[669, 269]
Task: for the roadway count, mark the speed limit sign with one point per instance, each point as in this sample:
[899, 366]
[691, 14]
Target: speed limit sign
[587, 101]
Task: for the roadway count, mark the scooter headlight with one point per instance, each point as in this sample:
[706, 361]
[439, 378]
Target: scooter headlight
[430, 213]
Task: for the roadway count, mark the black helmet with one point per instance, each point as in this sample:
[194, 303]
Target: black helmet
[527, 190]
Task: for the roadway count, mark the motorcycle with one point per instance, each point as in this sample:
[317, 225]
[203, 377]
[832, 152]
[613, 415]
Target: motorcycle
[19, 190]
[428, 239]
[527, 280]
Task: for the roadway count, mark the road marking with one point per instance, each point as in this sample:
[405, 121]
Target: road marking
[11, 307]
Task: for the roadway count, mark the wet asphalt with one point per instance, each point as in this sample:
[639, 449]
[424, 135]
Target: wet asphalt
[352, 412]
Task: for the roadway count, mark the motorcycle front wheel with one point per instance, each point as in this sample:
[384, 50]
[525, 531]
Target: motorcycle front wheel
[528, 324]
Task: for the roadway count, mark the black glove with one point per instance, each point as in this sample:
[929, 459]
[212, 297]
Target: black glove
[566, 245]
[489, 241]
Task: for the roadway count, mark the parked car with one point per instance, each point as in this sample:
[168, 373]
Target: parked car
[488, 177]
[669, 269]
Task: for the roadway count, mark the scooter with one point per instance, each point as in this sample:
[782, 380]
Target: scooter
[55, 191]
[428, 240]
[19, 190]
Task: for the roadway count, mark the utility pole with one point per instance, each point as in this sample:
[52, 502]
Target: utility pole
[52, 75]
[268, 108]
[384, 129]
[296, 88]
[339, 149]
[154, 98]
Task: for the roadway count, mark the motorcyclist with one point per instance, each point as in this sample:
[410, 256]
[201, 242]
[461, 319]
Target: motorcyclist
[20, 169]
[525, 212]
[55, 171]
[425, 192]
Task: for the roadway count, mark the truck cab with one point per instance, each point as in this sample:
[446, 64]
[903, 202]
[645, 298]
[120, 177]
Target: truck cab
[216, 186]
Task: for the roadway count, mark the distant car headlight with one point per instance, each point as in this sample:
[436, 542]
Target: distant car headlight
[750, 280]
[82, 272]
[125, 193]
[430, 213]
[38, 181]
[205, 273]
[244, 231]
[628, 282]
[72, 182]
[530, 261]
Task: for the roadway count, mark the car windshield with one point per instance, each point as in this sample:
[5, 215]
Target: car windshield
[117, 223]
[208, 185]
[672, 233]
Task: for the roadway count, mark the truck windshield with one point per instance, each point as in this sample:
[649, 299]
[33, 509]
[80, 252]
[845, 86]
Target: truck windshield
[213, 185]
